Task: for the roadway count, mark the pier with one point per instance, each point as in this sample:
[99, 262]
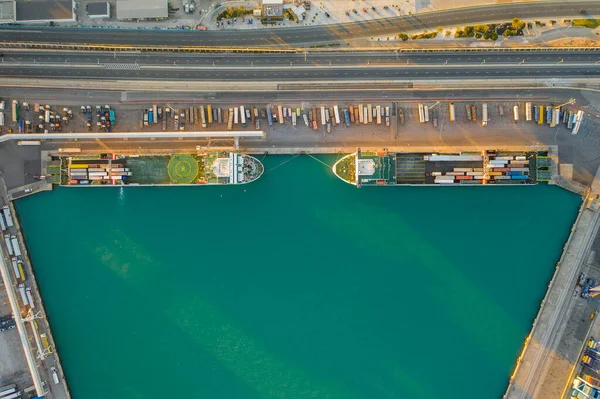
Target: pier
[40, 355]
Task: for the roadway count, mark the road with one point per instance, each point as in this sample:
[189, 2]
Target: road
[336, 66]
[304, 35]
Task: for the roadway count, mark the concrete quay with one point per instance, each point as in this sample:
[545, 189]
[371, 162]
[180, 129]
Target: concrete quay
[31, 322]
[544, 368]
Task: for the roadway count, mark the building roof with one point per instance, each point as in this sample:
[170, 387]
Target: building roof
[142, 9]
[272, 2]
[7, 10]
[45, 10]
[97, 8]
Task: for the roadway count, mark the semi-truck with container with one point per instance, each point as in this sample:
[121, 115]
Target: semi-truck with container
[378, 113]
[336, 112]
[248, 114]
[451, 112]
[294, 119]
[7, 216]
[202, 116]
[468, 112]
[327, 115]
[21, 271]
[2, 223]
[323, 116]
[331, 116]
[425, 113]
[150, 117]
[236, 118]
[242, 116]
[387, 116]
[15, 268]
[9, 245]
[280, 114]
[209, 113]
[528, 114]
[549, 115]
[370, 113]
[516, 113]
[421, 113]
[473, 112]
[15, 111]
[365, 115]
[347, 117]
[361, 113]
[230, 121]
[269, 116]
[30, 297]
[1, 118]
[484, 114]
[556, 116]
[305, 117]
[15, 244]
[23, 294]
[8, 389]
[540, 120]
[351, 111]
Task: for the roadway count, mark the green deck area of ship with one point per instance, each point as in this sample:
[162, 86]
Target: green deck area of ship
[381, 164]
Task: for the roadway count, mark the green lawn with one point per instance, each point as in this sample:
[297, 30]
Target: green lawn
[588, 23]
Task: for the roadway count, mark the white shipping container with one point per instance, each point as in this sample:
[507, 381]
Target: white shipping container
[450, 158]
[521, 158]
[426, 113]
[9, 245]
[323, 118]
[7, 216]
[15, 266]
[23, 294]
[30, 298]
[474, 173]
[463, 169]
[479, 177]
[370, 113]
[95, 178]
[451, 112]
[360, 113]
[421, 113]
[508, 158]
[1, 118]
[516, 113]
[236, 112]
[97, 173]
[503, 177]
[336, 112]
[455, 173]
[527, 111]
[15, 244]
[439, 181]
[519, 169]
[365, 115]
[2, 223]
[484, 117]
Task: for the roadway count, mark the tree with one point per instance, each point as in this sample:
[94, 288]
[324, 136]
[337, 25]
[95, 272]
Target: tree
[518, 24]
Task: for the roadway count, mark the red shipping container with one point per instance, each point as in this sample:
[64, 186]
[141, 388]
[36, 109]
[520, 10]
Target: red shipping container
[500, 169]
[463, 177]
[517, 165]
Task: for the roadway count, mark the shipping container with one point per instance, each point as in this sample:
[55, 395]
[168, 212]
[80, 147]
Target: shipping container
[421, 113]
[269, 116]
[21, 271]
[15, 111]
[549, 115]
[336, 112]
[30, 298]
[15, 245]
[474, 173]
[522, 177]
[7, 216]
[23, 294]
[464, 177]
[455, 173]
[202, 116]
[519, 169]
[484, 114]
[219, 115]
[1, 118]
[502, 177]
[438, 181]
[540, 121]
[361, 113]
[2, 222]
[280, 114]
[15, 268]
[230, 119]
[463, 169]
[370, 113]
[556, 116]
[426, 113]
[8, 389]
[500, 169]
[356, 116]
[495, 173]
[451, 112]
[505, 158]
[209, 113]
[528, 115]
[365, 115]
[516, 113]
[242, 116]
[536, 113]
[347, 117]
[473, 113]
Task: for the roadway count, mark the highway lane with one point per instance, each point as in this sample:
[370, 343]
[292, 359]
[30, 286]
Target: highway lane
[303, 35]
[290, 60]
[274, 74]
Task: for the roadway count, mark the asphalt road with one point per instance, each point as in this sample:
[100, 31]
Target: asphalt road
[382, 66]
[304, 35]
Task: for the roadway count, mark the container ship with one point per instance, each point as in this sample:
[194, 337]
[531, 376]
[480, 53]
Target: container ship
[383, 168]
[209, 168]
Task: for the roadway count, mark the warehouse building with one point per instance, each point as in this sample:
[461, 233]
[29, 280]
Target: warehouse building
[37, 11]
[138, 10]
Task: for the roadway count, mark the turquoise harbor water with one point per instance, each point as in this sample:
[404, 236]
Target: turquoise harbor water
[295, 286]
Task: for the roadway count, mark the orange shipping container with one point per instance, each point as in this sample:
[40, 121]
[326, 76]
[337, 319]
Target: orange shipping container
[464, 177]
[73, 181]
[517, 165]
[501, 169]
[495, 173]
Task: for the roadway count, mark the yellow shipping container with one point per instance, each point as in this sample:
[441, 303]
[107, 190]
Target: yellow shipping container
[79, 166]
[495, 173]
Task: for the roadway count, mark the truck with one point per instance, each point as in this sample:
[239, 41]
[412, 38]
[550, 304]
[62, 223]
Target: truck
[202, 116]
[23, 294]
[30, 297]
[549, 115]
[210, 113]
[9, 245]
[366, 115]
[145, 117]
[305, 119]
[15, 244]
[536, 113]
[331, 116]
[230, 121]
[192, 111]
[387, 116]
[112, 118]
[2, 223]
[54, 375]
[1, 118]
[150, 115]
[336, 112]
[421, 113]
[378, 114]
[370, 113]
[556, 116]
[294, 119]
[327, 115]
[528, 114]
[7, 216]
[361, 113]
[269, 116]
[468, 112]
[451, 112]
[323, 119]
[347, 117]
[540, 121]
[236, 117]
[15, 111]
[15, 268]
[484, 114]
[434, 117]
[280, 114]
[242, 116]
[516, 113]
[426, 113]
[473, 112]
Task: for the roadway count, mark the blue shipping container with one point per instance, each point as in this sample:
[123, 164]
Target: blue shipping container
[511, 173]
[519, 177]
[150, 117]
